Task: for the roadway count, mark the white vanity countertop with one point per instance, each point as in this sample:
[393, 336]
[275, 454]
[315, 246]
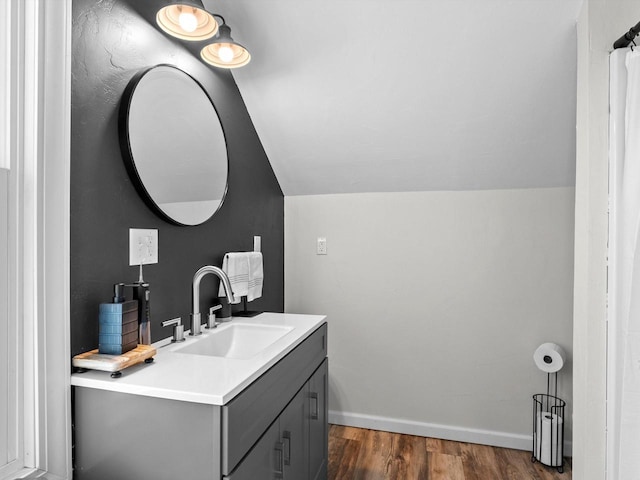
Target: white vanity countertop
[201, 378]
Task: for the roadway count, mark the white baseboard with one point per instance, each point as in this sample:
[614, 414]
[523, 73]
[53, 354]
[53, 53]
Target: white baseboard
[445, 432]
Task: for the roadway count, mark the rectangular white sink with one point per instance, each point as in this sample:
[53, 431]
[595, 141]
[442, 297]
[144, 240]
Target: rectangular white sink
[236, 340]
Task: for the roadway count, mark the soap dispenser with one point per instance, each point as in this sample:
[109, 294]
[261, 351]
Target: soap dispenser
[118, 322]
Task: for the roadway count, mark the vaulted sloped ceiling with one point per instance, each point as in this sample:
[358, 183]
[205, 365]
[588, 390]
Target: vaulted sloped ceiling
[410, 95]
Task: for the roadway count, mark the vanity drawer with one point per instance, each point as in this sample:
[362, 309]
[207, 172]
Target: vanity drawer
[248, 416]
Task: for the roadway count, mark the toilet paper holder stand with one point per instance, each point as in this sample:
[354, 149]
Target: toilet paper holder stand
[548, 426]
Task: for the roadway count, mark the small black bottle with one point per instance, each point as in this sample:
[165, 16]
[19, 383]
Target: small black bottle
[142, 294]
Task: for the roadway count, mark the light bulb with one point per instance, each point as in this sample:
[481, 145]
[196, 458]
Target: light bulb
[188, 21]
[225, 52]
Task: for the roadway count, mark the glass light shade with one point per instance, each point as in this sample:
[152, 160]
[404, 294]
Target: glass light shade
[187, 22]
[224, 52]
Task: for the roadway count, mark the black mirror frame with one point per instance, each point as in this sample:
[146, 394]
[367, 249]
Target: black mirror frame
[127, 153]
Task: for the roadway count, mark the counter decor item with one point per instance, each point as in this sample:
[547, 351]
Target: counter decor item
[548, 409]
[94, 360]
[122, 325]
[118, 331]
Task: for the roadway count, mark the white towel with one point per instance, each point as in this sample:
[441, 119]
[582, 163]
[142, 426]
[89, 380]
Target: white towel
[245, 273]
[256, 276]
[236, 266]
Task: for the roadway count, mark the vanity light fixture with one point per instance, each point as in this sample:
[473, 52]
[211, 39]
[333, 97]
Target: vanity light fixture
[224, 52]
[187, 20]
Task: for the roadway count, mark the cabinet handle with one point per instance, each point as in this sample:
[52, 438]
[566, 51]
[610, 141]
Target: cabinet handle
[316, 406]
[279, 460]
[286, 439]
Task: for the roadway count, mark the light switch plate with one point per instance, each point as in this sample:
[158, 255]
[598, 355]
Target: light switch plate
[143, 246]
[321, 246]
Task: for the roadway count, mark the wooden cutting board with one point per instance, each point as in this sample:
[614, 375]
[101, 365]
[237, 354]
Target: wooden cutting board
[94, 360]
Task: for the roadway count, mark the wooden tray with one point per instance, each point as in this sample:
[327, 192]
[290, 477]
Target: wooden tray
[94, 360]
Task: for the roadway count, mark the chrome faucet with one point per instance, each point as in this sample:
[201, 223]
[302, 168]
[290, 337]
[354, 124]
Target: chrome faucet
[224, 279]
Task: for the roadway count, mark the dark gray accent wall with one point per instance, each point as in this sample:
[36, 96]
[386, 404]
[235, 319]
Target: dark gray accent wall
[112, 41]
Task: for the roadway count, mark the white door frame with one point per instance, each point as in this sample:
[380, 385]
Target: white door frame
[37, 133]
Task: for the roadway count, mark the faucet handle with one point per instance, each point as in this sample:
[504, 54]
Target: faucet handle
[211, 318]
[178, 329]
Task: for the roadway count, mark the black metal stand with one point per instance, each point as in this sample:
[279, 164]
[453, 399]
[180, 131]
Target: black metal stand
[244, 312]
[548, 426]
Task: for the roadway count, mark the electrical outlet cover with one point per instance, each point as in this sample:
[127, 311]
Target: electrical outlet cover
[143, 246]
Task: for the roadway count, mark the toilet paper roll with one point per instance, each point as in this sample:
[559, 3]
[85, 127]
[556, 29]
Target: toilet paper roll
[549, 357]
[548, 438]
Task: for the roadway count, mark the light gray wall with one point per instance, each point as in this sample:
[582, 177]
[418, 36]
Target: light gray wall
[436, 302]
[600, 24]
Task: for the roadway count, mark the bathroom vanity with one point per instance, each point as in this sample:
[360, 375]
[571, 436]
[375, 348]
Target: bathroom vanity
[247, 400]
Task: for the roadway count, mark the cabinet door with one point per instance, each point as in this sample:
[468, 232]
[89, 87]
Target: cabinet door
[248, 415]
[318, 426]
[294, 432]
[264, 461]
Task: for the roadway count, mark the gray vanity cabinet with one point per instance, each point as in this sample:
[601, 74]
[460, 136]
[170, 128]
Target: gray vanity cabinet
[276, 428]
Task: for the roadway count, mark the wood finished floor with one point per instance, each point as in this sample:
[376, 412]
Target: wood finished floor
[360, 454]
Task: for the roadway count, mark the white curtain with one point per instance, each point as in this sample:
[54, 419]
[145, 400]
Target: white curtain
[629, 281]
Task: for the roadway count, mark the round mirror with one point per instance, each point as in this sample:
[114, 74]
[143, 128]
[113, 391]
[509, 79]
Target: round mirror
[173, 145]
